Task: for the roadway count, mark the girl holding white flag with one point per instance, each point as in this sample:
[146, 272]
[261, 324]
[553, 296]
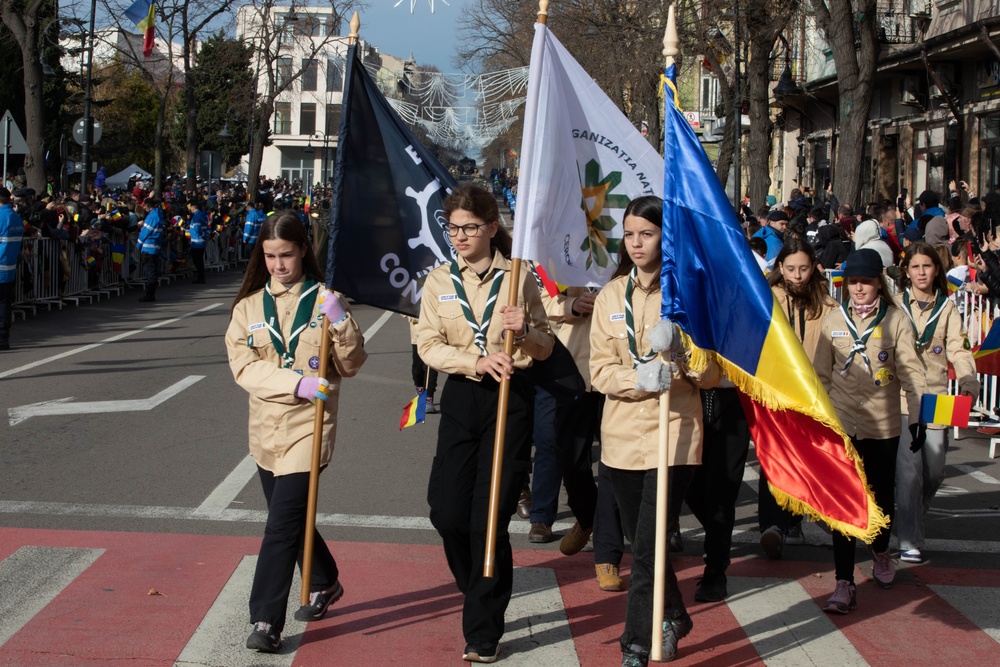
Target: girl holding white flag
[624, 368]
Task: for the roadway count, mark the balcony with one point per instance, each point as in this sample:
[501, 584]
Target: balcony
[896, 22]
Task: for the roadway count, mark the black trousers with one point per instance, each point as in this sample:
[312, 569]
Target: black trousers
[716, 483]
[608, 539]
[879, 460]
[421, 378]
[198, 258]
[150, 273]
[6, 310]
[458, 494]
[281, 549]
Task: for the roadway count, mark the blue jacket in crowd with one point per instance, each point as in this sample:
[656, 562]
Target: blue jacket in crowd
[11, 231]
[773, 240]
[199, 229]
[255, 218]
[151, 233]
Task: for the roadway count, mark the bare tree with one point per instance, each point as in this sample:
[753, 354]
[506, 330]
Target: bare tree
[23, 19]
[851, 30]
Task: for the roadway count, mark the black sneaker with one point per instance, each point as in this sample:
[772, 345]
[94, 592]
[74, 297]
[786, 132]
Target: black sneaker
[711, 588]
[635, 656]
[669, 645]
[264, 638]
[319, 602]
[675, 544]
[682, 624]
[485, 653]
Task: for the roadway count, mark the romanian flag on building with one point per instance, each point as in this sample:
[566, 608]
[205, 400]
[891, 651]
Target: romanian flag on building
[117, 256]
[988, 353]
[142, 13]
[414, 411]
[945, 410]
[713, 288]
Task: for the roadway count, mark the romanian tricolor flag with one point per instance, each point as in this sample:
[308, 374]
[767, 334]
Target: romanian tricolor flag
[91, 261]
[988, 353]
[837, 278]
[552, 287]
[713, 289]
[414, 411]
[945, 410]
[954, 284]
[142, 13]
[117, 256]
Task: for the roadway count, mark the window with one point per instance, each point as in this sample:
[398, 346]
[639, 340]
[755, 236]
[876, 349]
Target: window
[283, 71]
[989, 154]
[929, 159]
[309, 70]
[282, 117]
[334, 75]
[332, 120]
[333, 24]
[308, 25]
[307, 119]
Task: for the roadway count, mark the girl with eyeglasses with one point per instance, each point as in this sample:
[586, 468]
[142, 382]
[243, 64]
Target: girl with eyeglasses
[461, 332]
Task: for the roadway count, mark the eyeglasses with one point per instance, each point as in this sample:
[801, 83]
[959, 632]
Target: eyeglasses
[468, 230]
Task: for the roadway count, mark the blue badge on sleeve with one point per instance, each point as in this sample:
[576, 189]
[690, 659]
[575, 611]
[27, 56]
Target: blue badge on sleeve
[883, 356]
[314, 363]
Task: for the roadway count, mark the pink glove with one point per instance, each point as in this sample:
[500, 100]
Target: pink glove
[331, 306]
[313, 388]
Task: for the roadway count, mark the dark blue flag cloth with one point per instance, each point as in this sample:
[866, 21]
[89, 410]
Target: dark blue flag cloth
[387, 226]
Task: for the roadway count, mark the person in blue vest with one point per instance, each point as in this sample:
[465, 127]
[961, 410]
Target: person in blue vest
[11, 231]
[773, 233]
[255, 218]
[150, 240]
[199, 234]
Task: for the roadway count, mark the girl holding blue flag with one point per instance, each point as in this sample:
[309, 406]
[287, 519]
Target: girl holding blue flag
[461, 332]
[273, 342]
[940, 336]
[624, 368]
[865, 356]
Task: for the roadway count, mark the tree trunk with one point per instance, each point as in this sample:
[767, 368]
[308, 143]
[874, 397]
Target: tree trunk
[761, 126]
[257, 154]
[24, 28]
[191, 104]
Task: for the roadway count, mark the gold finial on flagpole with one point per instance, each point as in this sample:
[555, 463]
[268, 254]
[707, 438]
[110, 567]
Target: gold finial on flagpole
[352, 38]
[543, 11]
[670, 38]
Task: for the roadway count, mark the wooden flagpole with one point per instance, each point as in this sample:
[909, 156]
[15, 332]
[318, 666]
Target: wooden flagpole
[670, 50]
[317, 447]
[493, 512]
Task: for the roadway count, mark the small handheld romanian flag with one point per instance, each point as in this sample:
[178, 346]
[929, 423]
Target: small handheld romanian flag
[414, 411]
[837, 278]
[945, 410]
[954, 284]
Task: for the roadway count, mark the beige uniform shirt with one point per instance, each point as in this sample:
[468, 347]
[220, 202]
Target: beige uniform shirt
[281, 424]
[810, 339]
[572, 330]
[630, 426]
[947, 344]
[868, 404]
[445, 340]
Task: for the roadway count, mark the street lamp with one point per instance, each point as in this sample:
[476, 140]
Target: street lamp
[88, 126]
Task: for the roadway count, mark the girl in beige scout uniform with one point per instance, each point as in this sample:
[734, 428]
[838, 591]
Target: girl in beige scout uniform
[866, 354]
[273, 343]
[801, 293]
[940, 336]
[623, 368]
[461, 333]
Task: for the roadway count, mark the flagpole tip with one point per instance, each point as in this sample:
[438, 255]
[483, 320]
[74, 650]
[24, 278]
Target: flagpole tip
[671, 41]
[543, 11]
[352, 38]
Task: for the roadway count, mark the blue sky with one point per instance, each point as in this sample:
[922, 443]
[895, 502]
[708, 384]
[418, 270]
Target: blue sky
[431, 37]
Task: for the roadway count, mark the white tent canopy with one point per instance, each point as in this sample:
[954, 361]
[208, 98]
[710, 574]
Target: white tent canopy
[120, 179]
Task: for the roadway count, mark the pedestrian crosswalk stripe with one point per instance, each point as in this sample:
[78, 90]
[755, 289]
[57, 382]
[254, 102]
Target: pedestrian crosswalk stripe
[977, 604]
[976, 474]
[786, 626]
[221, 637]
[31, 577]
[537, 629]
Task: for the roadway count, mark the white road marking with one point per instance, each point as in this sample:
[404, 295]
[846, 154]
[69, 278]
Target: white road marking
[61, 406]
[785, 625]
[975, 473]
[220, 638]
[223, 495]
[32, 577]
[537, 629]
[85, 348]
[373, 329]
[977, 604]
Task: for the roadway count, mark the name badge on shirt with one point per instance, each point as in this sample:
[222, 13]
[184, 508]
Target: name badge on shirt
[257, 326]
[447, 297]
[617, 317]
[839, 334]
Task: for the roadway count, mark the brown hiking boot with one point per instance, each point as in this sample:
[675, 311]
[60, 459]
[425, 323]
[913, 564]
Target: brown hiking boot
[607, 577]
[575, 539]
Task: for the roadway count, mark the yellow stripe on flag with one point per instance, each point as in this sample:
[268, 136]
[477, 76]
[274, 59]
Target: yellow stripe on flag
[944, 408]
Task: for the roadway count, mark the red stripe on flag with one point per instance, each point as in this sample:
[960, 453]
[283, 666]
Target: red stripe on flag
[818, 472]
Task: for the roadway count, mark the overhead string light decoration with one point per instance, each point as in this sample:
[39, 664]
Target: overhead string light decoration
[439, 103]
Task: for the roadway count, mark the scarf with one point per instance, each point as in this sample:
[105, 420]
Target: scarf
[861, 340]
[478, 330]
[303, 314]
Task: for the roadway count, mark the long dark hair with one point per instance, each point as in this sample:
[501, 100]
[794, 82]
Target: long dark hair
[921, 248]
[648, 208]
[483, 205]
[285, 226]
[814, 292]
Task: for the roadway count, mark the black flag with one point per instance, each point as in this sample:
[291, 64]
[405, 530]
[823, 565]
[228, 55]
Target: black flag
[387, 226]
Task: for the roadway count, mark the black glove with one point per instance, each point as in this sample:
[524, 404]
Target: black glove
[919, 434]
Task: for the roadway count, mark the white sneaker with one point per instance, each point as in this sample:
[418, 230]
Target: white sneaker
[911, 556]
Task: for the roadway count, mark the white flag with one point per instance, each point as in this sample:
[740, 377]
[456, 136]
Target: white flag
[582, 161]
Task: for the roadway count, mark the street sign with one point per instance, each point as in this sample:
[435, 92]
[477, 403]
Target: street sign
[18, 146]
[79, 128]
[694, 119]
